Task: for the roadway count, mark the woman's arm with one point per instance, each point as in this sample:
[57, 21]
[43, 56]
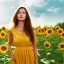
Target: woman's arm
[35, 48]
[10, 43]
[10, 39]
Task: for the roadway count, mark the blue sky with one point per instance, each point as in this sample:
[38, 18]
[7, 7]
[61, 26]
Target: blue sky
[42, 12]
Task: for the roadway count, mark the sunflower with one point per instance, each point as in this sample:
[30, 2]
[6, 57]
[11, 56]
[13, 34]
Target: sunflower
[47, 45]
[62, 35]
[57, 27]
[7, 31]
[3, 48]
[3, 28]
[38, 27]
[45, 28]
[61, 46]
[49, 31]
[59, 31]
[39, 31]
[2, 34]
[51, 27]
[42, 31]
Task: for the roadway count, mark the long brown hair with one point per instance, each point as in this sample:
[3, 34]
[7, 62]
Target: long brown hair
[27, 25]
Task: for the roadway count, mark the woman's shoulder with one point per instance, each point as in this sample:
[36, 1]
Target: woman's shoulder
[11, 29]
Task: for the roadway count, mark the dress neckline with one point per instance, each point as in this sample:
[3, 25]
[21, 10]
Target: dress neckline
[18, 32]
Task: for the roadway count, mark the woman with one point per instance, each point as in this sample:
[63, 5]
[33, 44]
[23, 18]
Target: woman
[23, 37]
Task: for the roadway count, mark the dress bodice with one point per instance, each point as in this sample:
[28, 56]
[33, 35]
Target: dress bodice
[20, 40]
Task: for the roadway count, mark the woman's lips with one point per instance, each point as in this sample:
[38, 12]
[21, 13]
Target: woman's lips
[21, 17]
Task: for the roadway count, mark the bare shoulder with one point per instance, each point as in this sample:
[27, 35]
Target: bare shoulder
[10, 29]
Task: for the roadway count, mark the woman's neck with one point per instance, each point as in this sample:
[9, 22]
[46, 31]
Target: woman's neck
[20, 24]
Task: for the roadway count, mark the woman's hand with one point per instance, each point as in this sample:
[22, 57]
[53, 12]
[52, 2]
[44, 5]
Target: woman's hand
[36, 62]
[13, 58]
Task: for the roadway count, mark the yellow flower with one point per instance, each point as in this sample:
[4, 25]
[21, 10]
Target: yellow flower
[42, 31]
[47, 45]
[49, 31]
[39, 31]
[7, 31]
[45, 28]
[61, 46]
[62, 35]
[2, 34]
[57, 27]
[3, 28]
[51, 27]
[38, 27]
[59, 31]
[3, 48]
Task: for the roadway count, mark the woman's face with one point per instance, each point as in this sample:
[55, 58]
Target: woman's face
[21, 16]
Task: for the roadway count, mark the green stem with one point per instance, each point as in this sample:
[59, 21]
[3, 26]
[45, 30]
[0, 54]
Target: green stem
[63, 57]
[4, 59]
[3, 40]
[46, 54]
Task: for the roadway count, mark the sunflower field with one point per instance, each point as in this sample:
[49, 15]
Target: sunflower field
[49, 41]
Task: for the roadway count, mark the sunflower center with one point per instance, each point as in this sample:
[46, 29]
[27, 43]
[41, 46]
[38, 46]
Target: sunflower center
[60, 31]
[57, 28]
[49, 31]
[3, 28]
[62, 45]
[42, 30]
[3, 48]
[47, 45]
[8, 31]
[39, 30]
[2, 34]
[62, 34]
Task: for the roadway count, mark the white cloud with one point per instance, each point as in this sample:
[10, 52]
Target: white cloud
[7, 0]
[53, 9]
[6, 25]
[12, 7]
[40, 21]
[1, 0]
[11, 0]
[29, 3]
[40, 3]
[3, 13]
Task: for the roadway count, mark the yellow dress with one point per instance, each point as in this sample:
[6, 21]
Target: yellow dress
[23, 51]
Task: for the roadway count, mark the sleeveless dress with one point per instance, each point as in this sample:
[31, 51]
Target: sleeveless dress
[23, 51]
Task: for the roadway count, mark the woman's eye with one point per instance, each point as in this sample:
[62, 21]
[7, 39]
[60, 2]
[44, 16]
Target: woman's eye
[21, 12]
[24, 12]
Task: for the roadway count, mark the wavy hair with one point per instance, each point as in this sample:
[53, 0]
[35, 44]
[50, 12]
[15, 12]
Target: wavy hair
[27, 25]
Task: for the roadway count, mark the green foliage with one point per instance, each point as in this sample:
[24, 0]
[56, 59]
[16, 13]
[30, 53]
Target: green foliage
[52, 55]
[61, 25]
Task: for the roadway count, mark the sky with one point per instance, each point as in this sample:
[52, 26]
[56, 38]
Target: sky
[42, 12]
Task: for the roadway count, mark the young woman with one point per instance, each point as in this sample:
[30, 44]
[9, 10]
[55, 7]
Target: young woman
[23, 37]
